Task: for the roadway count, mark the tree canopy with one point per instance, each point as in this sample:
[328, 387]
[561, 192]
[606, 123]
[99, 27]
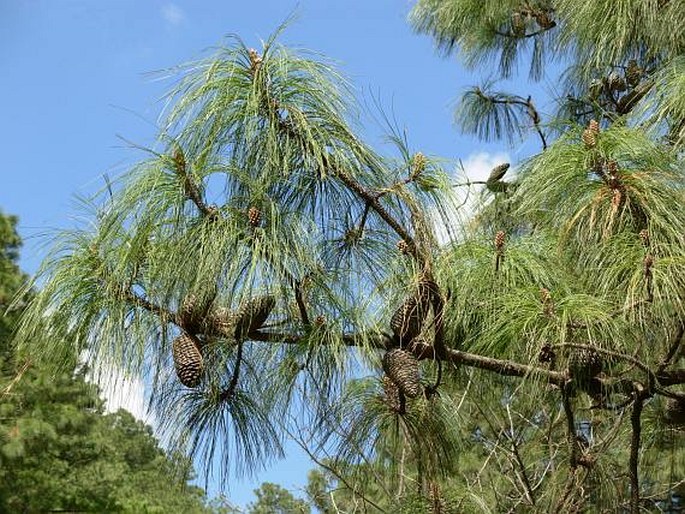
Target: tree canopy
[525, 357]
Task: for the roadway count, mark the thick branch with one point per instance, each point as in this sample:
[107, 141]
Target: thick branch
[371, 200]
[499, 366]
[628, 101]
[671, 377]
[160, 311]
[512, 35]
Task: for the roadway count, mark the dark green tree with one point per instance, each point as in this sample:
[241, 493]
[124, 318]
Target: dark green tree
[273, 499]
[59, 451]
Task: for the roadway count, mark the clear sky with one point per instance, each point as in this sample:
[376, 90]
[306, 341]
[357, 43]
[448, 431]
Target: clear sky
[75, 75]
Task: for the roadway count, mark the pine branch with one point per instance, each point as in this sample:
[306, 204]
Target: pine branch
[669, 378]
[673, 348]
[626, 103]
[163, 313]
[370, 199]
[571, 439]
[636, 427]
[525, 106]
[227, 393]
[190, 188]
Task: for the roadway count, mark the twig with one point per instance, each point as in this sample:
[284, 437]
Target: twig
[227, 393]
[8, 388]
[531, 111]
[519, 462]
[673, 348]
[332, 470]
[511, 35]
[190, 188]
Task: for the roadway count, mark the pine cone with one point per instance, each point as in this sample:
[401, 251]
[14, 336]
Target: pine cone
[616, 199]
[518, 24]
[633, 73]
[589, 138]
[391, 394]
[403, 247]
[408, 319]
[252, 315]
[191, 313]
[438, 505]
[547, 354]
[221, 322]
[187, 360]
[500, 237]
[254, 216]
[675, 412]
[255, 60]
[179, 160]
[418, 165]
[593, 125]
[403, 369]
[498, 172]
[644, 237]
[544, 20]
[616, 82]
[584, 364]
[648, 262]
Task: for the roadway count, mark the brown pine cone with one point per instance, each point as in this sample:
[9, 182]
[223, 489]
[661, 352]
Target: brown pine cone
[403, 369]
[498, 172]
[252, 315]
[254, 216]
[589, 138]
[633, 73]
[500, 237]
[391, 394]
[187, 360]
[644, 237]
[584, 364]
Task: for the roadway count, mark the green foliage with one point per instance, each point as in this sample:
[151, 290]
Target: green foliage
[10, 277]
[273, 499]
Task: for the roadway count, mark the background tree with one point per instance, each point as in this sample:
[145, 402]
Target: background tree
[58, 450]
[531, 362]
[273, 499]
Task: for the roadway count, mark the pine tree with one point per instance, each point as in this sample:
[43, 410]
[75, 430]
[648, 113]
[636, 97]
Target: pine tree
[550, 331]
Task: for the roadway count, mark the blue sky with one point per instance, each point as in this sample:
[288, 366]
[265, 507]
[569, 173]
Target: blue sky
[76, 75]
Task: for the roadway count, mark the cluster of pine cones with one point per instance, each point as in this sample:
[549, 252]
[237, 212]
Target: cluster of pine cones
[401, 368]
[220, 322]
